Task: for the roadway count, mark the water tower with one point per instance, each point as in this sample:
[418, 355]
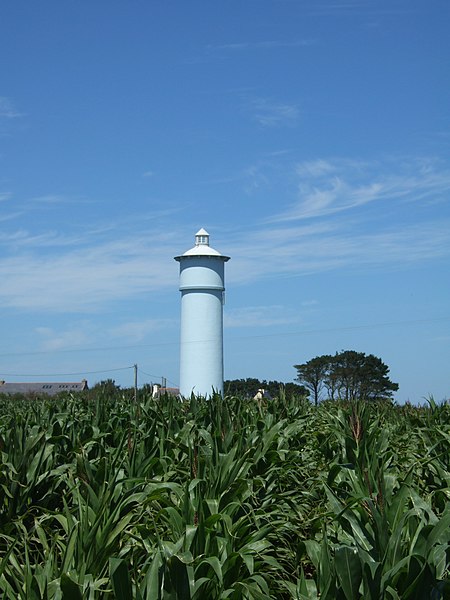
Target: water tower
[202, 286]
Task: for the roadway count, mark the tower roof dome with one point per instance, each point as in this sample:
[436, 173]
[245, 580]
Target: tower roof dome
[202, 247]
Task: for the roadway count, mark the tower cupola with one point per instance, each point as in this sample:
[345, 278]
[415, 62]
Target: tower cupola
[202, 238]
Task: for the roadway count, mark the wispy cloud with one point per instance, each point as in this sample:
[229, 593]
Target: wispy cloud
[350, 214]
[270, 113]
[228, 50]
[7, 109]
[51, 339]
[91, 274]
[84, 275]
[21, 240]
[280, 253]
[254, 177]
[136, 331]
[362, 7]
[340, 5]
[262, 45]
[51, 199]
[260, 316]
[326, 187]
[82, 334]
[5, 197]
[10, 217]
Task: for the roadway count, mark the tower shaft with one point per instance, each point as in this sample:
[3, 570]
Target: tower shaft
[201, 342]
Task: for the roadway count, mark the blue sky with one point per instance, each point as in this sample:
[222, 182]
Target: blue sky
[310, 138]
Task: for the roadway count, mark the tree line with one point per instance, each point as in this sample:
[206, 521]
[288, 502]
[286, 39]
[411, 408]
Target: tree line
[248, 387]
[346, 375]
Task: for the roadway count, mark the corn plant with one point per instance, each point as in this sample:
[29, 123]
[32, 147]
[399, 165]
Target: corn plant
[105, 497]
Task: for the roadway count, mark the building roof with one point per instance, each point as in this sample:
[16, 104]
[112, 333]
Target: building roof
[202, 251]
[202, 232]
[202, 247]
[49, 388]
[159, 391]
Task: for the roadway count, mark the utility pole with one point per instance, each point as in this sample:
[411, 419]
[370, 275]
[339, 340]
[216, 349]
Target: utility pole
[135, 382]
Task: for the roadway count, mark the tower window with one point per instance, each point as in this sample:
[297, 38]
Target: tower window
[202, 240]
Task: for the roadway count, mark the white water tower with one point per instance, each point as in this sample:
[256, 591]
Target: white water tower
[202, 286]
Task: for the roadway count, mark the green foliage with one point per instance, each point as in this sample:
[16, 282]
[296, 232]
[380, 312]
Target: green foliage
[102, 497]
[248, 388]
[313, 374]
[348, 375]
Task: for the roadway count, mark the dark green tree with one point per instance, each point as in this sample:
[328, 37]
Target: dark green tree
[313, 375]
[248, 387]
[106, 386]
[241, 387]
[290, 389]
[348, 375]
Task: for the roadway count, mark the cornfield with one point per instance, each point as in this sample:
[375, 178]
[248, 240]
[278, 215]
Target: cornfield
[111, 497]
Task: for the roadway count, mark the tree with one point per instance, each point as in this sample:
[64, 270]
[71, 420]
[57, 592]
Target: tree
[313, 375]
[347, 375]
[248, 387]
[241, 387]
[106, 386]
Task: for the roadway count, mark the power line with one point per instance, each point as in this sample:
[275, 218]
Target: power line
[232, 338]
[148, 374]
[91, 349]
[336, 329]
[65, 374]
[88, 373]
[155, 378]
[173, 383]
[158, 377]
